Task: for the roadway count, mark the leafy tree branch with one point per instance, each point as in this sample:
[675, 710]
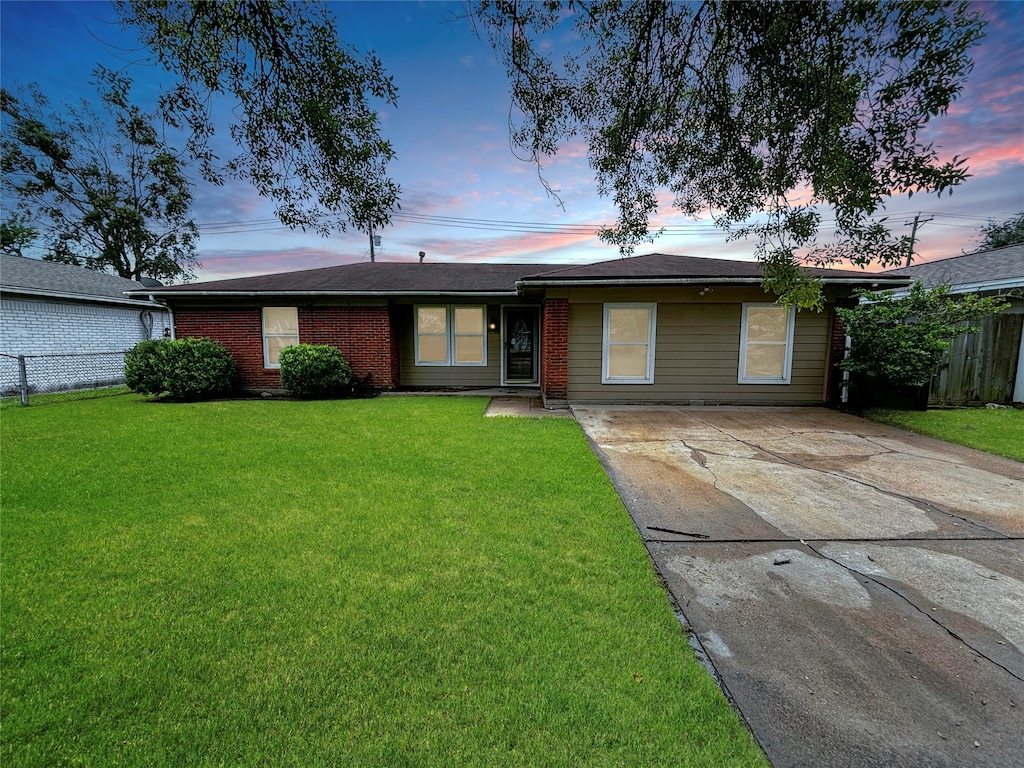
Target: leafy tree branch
[302, 103]
[762, 113]
[102, 191]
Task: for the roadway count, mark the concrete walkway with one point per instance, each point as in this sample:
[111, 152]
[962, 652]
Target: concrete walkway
[858, 590]
[505, 401]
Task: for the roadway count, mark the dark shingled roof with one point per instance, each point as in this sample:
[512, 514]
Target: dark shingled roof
[1001, 265]
[663, 266]
[372, 278]
[382, 278]
[19, 274]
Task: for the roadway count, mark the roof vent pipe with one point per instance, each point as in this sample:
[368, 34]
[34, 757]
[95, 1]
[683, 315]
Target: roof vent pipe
[423, 255]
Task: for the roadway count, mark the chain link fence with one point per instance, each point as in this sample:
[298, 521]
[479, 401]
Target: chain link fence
[36, 379]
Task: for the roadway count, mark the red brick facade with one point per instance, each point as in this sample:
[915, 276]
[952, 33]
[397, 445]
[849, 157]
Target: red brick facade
[554, 362]
[363, 335]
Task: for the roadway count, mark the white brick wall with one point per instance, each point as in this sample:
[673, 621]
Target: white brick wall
[40, 326]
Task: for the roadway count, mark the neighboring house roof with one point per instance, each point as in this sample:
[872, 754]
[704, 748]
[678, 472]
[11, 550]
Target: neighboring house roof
[33, 277]
[474, 279]
[998, 269]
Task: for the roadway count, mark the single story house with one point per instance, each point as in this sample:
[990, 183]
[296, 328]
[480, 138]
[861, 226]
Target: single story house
[71, 324]
[987, 367]
[648, 329]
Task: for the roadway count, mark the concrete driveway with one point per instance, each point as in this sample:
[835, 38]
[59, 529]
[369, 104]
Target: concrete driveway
[859, 590]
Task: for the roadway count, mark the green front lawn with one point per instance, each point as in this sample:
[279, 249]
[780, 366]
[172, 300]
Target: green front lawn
[396, 581]
[994, 430]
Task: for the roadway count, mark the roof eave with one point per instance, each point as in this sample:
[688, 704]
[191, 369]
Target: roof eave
[615, 282]
[981, 286]
[249, 294]
[89, 297]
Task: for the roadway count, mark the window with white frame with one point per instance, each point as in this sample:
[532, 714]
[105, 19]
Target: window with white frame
[766, 344]
[280, 330]
[627, 349]
[449, 334]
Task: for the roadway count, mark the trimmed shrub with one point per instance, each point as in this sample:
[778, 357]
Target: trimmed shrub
[314, 370]
[185, 369]
[144, 367]
[198, 368]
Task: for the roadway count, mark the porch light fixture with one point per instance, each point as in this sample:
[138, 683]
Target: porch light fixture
[492, 324]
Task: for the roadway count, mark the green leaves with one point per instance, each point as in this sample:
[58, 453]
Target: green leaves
[184, 369]
[314, 370]
[749, 111]
[306, 117]
[901, 340]
[101, 191]
[1000, 235]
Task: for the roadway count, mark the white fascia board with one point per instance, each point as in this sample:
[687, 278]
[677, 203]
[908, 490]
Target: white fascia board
[983, 285]
[87, 297]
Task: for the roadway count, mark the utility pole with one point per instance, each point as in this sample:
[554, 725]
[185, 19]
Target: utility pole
[913, 235]
[370, 228]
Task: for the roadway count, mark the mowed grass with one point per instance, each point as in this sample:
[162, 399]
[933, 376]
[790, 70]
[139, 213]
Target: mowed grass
[385, 582]
[993, 430]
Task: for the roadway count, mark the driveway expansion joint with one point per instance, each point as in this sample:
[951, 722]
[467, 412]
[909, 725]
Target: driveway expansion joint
[922, 504]
[930, 616]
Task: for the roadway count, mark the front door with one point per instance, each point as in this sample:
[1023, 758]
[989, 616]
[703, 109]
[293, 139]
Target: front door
[519, 335]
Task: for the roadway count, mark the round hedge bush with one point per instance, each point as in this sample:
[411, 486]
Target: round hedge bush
[144, 367]
[314, 370]
[184, 369]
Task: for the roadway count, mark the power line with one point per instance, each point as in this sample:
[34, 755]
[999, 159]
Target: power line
[238, 227]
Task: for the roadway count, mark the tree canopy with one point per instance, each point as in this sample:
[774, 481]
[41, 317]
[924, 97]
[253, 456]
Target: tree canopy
[769, 115]
[102, 191]
[302, 103]
[1001, 234]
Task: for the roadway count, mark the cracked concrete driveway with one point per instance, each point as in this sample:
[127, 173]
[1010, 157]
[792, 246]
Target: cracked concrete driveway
[858, 589]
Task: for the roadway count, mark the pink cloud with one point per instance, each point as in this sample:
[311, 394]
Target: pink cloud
[223, 264]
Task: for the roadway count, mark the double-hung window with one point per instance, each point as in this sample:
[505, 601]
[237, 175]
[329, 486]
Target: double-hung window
[280, 330]
[627, 351]
[449, 334]
[766, 344]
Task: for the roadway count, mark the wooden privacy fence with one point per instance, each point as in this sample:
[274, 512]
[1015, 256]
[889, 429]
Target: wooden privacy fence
[981, 367]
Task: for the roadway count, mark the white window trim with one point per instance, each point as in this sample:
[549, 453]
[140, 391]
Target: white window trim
[605, 343]
[263, 330]
[447, 329]
[788, 361]
[450, 333]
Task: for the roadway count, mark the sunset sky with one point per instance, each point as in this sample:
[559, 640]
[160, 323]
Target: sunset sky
[464, 195]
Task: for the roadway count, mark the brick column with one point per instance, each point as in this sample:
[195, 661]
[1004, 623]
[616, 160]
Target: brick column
[554, 361]
[837, 351]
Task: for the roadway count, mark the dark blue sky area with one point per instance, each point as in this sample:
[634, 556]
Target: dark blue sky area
[450, 133]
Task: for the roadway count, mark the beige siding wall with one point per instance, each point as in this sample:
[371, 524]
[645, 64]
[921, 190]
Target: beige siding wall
[441, 376]
[697, 349]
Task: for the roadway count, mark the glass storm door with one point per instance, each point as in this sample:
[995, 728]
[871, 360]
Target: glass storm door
[520, 329]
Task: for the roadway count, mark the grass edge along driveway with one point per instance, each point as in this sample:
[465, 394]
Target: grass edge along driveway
[994, 430]
[396, 581]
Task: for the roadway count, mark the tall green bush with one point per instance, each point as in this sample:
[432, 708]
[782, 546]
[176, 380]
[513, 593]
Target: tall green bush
[901, 340]
[144, 367]
[314, 370]
[184, 369]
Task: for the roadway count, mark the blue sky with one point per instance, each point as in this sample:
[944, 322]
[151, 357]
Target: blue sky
[454, 163]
